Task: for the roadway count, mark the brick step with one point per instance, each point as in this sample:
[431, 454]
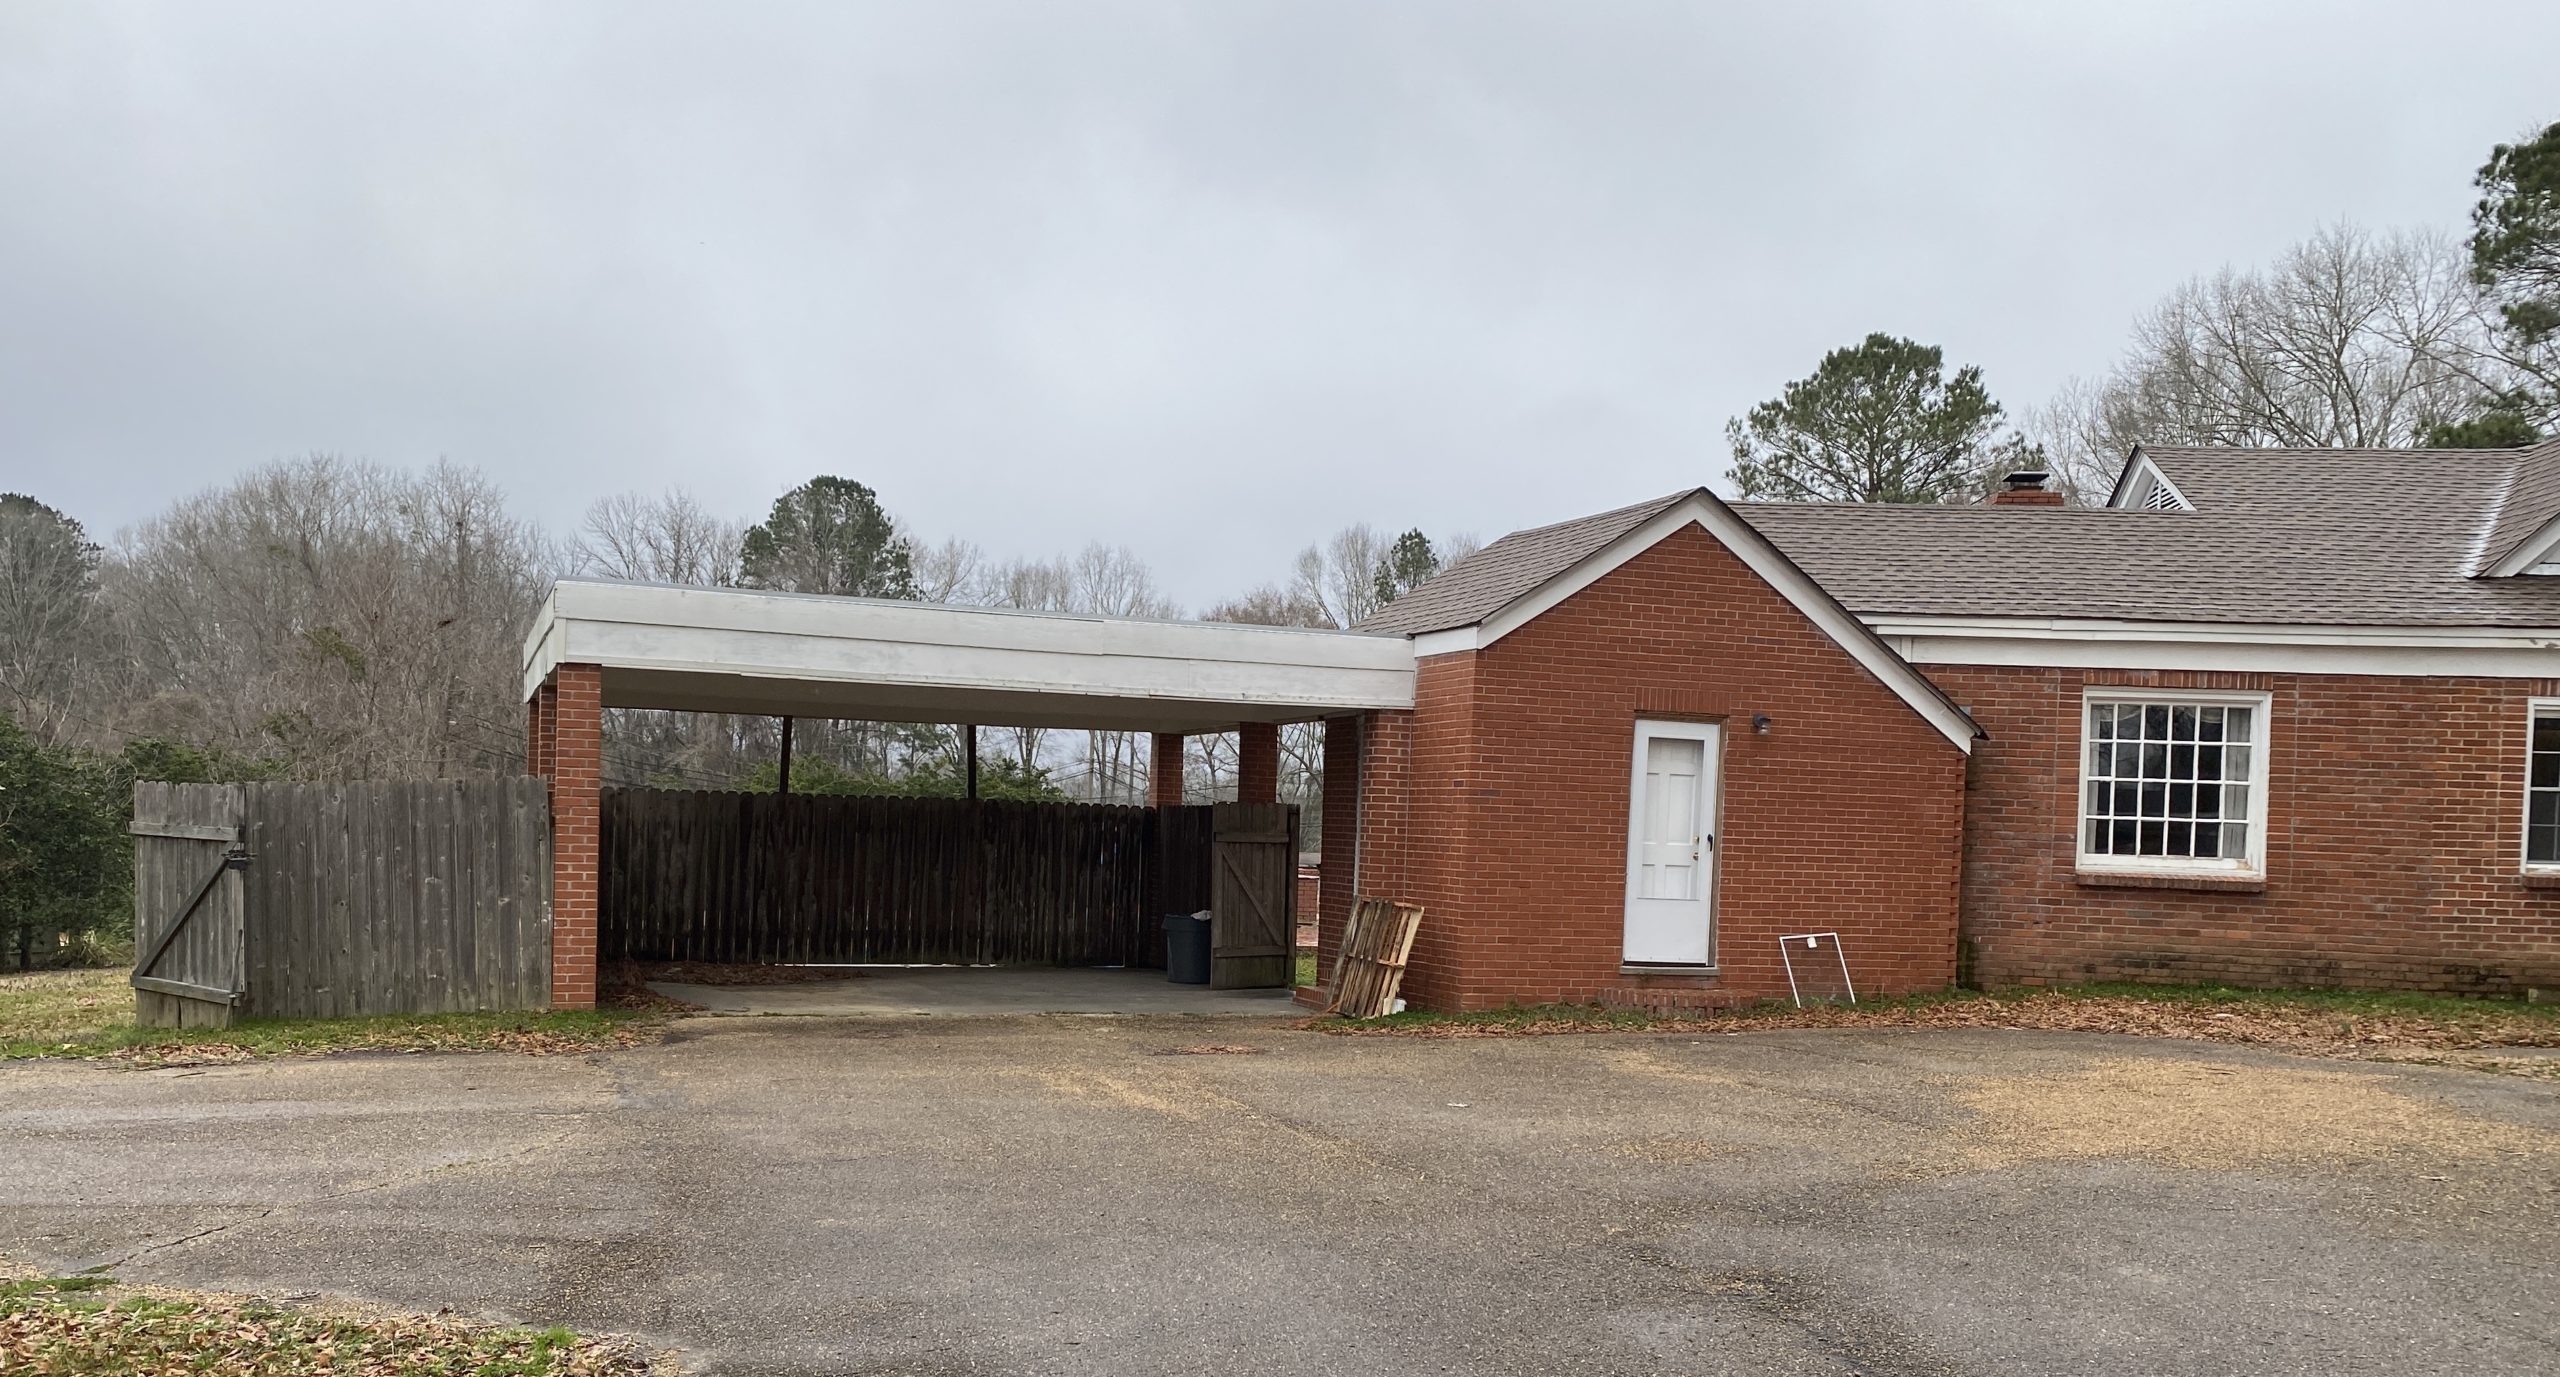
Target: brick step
[1672, 1000]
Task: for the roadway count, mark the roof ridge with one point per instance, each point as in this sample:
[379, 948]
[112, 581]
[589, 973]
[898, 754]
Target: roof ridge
[1649, 504]
[2358, 451]
[2001, 509]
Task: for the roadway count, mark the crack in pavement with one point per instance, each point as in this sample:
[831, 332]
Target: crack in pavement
[260, 1214]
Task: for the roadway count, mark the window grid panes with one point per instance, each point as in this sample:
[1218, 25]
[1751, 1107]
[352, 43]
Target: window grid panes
[2542, 792]
[2169, 781]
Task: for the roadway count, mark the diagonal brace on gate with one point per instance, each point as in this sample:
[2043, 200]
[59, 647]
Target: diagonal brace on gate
[236, 857]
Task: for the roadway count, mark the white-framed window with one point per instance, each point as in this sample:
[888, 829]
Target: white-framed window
[2542, 785]
[2173, 781]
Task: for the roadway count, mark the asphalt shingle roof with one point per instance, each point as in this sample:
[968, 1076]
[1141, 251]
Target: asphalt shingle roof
[2310, 537]
[1480, 585]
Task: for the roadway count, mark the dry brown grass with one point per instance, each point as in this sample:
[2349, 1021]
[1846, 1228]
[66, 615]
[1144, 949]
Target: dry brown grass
[2183, 1114]
[2459, 1032]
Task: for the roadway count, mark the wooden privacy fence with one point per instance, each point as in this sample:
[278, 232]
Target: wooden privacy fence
[331, 900]
[802, 878]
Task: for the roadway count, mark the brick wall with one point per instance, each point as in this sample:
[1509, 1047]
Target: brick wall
[1501, 802]
[2394, 818]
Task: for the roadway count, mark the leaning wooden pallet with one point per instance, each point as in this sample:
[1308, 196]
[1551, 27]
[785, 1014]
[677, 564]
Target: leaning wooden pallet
[1375, 947]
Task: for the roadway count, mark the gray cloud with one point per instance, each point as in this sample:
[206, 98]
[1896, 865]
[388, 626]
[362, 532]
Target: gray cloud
[1207, 279]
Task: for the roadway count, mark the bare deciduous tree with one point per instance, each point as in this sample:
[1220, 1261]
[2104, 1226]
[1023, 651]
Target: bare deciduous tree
[350, 621]
[665, 539]
[670, 538]
[52, 637]
[1106, 579]
[2350, 339]
[1271, 605]
[1339, 576]
[954, 571]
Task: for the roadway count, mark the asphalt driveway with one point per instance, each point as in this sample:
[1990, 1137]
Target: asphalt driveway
[1057, 1194]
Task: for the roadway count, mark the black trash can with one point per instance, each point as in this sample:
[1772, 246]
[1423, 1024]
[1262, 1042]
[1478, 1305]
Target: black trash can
[1186, 949]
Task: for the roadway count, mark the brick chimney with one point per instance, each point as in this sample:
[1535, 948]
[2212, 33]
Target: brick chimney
[2026, 488]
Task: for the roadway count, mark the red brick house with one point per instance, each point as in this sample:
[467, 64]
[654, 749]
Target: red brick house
[2268, 717]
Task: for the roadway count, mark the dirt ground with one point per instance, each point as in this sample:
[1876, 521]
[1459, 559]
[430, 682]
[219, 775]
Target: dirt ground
[1177, 1195]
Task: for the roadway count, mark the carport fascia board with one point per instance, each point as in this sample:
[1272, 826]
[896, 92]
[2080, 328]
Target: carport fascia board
[1195, 670]
[1704, 509]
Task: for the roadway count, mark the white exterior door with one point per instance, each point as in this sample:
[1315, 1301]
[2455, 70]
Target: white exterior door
[1671, 840]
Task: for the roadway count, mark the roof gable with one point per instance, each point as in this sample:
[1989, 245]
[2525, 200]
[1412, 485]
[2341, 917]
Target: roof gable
[2143, 486]
[1509, 583]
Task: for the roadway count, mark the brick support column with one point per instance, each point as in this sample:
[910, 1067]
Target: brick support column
[1257, 763]
[1338, 839]
[542, 731]
[577, 807]
[1164, 772]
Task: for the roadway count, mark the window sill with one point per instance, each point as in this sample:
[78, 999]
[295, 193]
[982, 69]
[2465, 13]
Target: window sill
[1631, 969]
[2171, 879]
[2541, 879]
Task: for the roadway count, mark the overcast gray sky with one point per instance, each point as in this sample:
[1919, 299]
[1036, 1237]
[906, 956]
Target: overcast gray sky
[1208, 280]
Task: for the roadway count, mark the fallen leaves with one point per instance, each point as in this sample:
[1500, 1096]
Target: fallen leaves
[74, 1326]
[2308, 1028]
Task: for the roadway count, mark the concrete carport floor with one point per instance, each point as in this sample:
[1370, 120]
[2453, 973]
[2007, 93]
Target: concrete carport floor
[911, 991]
[1075, 1195]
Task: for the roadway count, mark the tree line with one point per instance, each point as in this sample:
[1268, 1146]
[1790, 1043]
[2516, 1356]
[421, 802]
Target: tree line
[2350, 339]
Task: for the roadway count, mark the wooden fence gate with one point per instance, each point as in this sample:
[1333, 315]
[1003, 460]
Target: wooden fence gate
[1253, 926]
[276, 900]
[189, 918]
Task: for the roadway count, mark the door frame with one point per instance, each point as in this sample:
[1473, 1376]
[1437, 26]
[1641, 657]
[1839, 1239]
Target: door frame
[1709, 731]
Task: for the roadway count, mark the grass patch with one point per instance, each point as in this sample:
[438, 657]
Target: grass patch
[89, 1013]
[1303, 973]
[2370, 1025]
[79, 1326]
[63, 1006]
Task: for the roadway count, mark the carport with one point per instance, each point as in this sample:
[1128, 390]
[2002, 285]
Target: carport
[1078, 879]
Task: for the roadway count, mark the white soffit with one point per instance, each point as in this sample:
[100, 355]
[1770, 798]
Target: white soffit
[782, 654]
[1763, 558]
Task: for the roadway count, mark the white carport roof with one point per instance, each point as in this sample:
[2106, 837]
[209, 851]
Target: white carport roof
[795, 655]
